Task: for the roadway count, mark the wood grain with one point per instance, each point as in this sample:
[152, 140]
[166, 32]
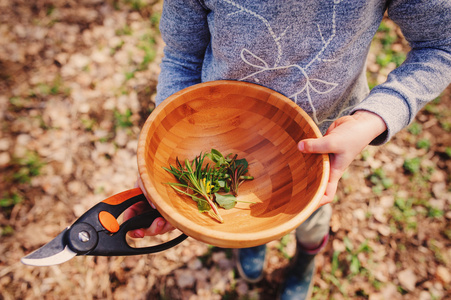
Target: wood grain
[256, 123]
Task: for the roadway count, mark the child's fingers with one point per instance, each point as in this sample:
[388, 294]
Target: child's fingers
[168, 227]
[159, 226]
[155, 228]
[136, 209]
[137, 233]
[329, 195]
[132, 211]
[326, 144]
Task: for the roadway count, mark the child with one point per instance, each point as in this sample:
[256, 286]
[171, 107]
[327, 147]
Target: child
[313, 52]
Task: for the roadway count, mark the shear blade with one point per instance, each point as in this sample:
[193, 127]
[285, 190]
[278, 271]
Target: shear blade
[53, 253]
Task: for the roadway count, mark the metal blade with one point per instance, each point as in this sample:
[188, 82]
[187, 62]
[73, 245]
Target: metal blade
[54, 252]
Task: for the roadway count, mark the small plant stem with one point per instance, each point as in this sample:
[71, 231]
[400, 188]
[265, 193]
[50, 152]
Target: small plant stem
[215, 209]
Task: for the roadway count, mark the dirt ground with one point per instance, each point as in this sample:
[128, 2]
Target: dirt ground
[77, 81]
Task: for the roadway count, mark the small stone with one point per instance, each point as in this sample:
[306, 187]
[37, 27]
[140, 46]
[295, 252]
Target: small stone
[195, 264]
[23, 139]
[184, 278]
[376, 297]
[202, 276]
[75, 187]
[424, 295]
[338, 245]
[121, 137]
[438, 176]
[387, 201]
[378, 213]
[219, 281]
[140, 283]
[221, 260]
[359, 214]
[100, 56]
[79, 60]
[443, 274]
[384, 229]
[390, 291]
[439, 189]
[407, 279]
[5, 158]
[242, 288]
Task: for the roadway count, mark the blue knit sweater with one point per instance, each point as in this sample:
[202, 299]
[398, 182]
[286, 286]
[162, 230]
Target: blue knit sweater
[312, 51]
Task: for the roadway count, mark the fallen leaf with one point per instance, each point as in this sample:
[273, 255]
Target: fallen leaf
[443, 274]
[407, 279]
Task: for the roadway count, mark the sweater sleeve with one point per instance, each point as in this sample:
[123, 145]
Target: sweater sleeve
[184, 29]
[425, 73]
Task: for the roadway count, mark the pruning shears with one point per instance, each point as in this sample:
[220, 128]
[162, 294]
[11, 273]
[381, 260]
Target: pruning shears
[98, 232]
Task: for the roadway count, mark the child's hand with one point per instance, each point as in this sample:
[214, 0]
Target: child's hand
[344, 140]
[159, 225]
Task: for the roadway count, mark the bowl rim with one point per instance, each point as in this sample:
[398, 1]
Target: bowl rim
[210, 236]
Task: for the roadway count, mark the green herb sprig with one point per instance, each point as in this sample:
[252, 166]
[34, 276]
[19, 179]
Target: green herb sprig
[206, 184]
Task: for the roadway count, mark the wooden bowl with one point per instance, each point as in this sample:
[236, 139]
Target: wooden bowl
[254, 122]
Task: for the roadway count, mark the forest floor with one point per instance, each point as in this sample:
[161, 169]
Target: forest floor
[77, 81]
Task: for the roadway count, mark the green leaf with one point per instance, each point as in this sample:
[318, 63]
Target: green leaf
[364, 247]
[243, 162]
[355, 265]
[203, 206]
[227, 201]
[335, 262]
[224, 175]
[214, 155]
[348, 244]
[218, 158]
[412, 165]
[223, 184]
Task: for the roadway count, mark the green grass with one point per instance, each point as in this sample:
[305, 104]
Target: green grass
[442, 115]
[282, 245]
[406, 178]
[387, 56]
[346, 266]
[27, 167]
[136, 4]
[123, 120]
[148, 46]
[55, 87]
[415, 128]
[155, 20]
[424, 144]
[412, 165]
[6, 230]
[403, 215]
[8, 201]
[388, 37]
[438, 250]
[126, 30]
[380, 181]
[18, 103]
[352, 257]
[448, 151]
[88, 124]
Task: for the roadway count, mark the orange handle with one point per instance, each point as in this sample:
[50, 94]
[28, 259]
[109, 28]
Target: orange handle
[121, 197]
[109, 221]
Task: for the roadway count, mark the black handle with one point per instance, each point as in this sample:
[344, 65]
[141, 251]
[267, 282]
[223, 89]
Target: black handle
[116, 244]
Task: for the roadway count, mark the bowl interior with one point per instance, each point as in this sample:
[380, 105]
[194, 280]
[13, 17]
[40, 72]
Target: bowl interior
[257, 124]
